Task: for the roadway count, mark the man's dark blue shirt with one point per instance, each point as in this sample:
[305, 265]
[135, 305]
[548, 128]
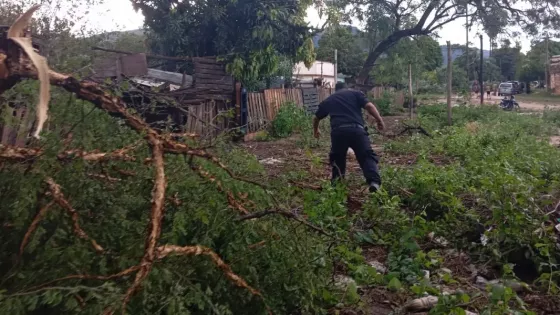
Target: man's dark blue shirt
[344, 107]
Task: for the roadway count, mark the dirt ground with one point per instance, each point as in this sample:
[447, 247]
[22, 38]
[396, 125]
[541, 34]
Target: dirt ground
[530, 104]
[286, 156]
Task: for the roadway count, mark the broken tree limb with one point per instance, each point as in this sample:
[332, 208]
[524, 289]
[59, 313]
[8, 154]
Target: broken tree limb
[121, 274]
[232, 201]
[115, 106]
[40, 215]
[285, 214]
[16, 34]
[18, 154]
[59, 198]
[17, 68]
[166, 250]
[28, 154]
[156, 217]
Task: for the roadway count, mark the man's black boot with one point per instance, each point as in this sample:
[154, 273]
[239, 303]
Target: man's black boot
[373, 187]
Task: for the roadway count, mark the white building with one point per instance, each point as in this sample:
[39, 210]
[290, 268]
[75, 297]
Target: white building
[319, 69]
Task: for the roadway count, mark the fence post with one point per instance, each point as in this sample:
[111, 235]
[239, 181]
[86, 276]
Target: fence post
[411, 101]
[244, 111]
[449, 82]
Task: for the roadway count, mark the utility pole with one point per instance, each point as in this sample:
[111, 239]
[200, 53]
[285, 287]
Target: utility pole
[467, 28]
[449, 82]
[411, 98]
[335, 67]
[547, 66]
[480, 76]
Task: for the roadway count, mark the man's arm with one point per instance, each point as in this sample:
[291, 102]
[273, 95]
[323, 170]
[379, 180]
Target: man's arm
[316, 131]
[321, 113]
[372, 110]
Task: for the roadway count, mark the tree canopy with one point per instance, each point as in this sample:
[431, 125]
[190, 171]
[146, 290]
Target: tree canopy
[491, 70]
[402, 15]
[534, 63]
[250, 35]
[423, 53]
[351, 54]
[57, 25]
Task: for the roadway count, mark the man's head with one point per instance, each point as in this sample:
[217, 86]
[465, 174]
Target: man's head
[340, 86]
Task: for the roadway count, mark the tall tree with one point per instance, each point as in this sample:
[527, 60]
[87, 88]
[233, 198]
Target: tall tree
[433, 14]
[491, 68]
[59, 27]
[249, 34]
[534, 63]
[351, 54]
[423, 53]
[508, 58]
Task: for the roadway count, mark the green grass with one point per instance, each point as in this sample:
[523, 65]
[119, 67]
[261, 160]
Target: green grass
[540, 96]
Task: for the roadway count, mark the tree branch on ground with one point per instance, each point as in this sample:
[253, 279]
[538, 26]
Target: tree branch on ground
[58, 196]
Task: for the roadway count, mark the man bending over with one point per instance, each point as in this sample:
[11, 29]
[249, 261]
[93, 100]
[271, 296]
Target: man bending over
[348, 131]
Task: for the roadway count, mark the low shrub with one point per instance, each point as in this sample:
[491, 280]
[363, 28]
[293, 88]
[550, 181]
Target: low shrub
[289, 120]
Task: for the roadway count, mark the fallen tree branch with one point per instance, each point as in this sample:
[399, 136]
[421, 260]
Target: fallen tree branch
[285, 214]
[121, 274]
[156, 217]
[160, 144]
[96, 156]
[40, 215]
[104, 177]
[28, 154]
[232, 201]
[164, 251]
[18, 154]
[59, 198]
[417, 128]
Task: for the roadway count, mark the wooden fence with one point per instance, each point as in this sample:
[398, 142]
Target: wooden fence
[262, 107]
[15, 125]
[208, 118]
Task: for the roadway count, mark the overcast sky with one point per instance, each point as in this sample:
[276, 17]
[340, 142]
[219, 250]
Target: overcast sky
[119, 15]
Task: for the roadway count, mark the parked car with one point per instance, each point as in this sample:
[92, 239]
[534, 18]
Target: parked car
[506, 88]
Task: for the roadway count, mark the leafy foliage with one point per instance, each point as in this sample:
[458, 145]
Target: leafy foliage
[290, 119]
[533, 66]
[56, 25]
[249, 35]
[402, 19]
[290, 273]
[423, 53]
[351, 54]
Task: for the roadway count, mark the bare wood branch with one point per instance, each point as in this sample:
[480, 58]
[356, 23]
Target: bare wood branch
[285, 214]
[121, 274]
[17, 153]
[40, 215]
[232, 201]
[164, 251]
[156, 217]
[28, 154]
[59, 198]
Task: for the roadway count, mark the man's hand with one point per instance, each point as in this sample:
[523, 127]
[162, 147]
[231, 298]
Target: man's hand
[380, 125]
[316, 133]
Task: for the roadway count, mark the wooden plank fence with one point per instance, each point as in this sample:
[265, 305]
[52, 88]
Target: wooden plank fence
[208, 118]
[15, 125]
[263, 106]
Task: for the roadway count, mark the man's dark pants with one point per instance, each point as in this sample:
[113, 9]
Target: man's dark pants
[356, 138]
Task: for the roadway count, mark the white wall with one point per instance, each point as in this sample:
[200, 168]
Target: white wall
[301, 72]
